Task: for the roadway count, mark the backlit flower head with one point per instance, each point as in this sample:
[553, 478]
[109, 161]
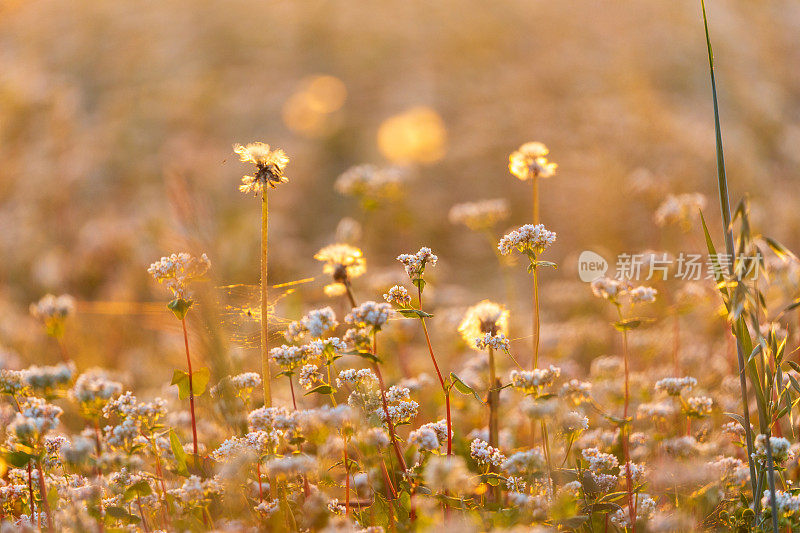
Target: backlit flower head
[680, 209]
[270, 165]
[370, 315]
[398, 295]
[528, 239]
[483, 317]
[178, 270]
[343, 263]
[530, 161]
[373, 182]
[481, 215]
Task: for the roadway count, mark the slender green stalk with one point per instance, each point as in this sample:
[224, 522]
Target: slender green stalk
[722, 181]
[265, 372]
[625, 436]
[535, 358]
[493, 397]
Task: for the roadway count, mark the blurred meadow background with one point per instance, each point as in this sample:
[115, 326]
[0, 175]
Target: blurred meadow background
[117, 121]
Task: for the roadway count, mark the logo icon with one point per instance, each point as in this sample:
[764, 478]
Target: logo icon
[591, 266]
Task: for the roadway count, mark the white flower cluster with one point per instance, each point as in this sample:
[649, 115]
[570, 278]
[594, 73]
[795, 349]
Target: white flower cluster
[485, 454]
[657, 410]
[574, 422]
[679, 209]
[415, 263]
[496, 342]
[530, 238]
[577, 391]
[36, 417]
[699, 406]
[430, 436]
[483, 317]
[267, 508]
[246, 380]
[291, 465]
[46, 378]
[356, 377]
[781, 449]
[372, 181]
[370, 315]
[524, 463]
[481, 215]
[94, 387]
[289, 357]
[730, 470]
[309, 376]
[675, 386]
[786, 502]
[402, 409]
[609, 288]
[195, 491]
[126, 406]
[643, 294]
[315, 323]
[644, 511]
[398, 295]
[269, 418]
[53, 307]
[599, 461]
[178, 270]
[530, 380]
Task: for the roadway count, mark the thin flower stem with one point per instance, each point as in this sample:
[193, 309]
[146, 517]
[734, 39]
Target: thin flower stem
[546, 442]
[625, 430]
[535, 197]
[266, 377]
[291, 388]
[45, 503]
[494, 399]
[535, 338]
[445, 390]
[349, 292]
[191, 390]
[389, 422]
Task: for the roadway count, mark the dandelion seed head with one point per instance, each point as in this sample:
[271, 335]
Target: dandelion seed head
[530, 161]
[270, 165]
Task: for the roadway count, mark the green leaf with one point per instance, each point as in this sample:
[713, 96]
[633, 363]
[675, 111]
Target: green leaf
[179, 453]
[118, 513]
[18, 458]
[322, 389]
[137, 490]
[419, 283]
[179, 307]
[200, 380]
[414, 313]
[546, 264]
[463, 388]
[632, 323]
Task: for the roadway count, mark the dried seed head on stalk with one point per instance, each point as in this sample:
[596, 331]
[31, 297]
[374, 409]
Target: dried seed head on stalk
[343, 263]
[270, 165]
[483, 317]
[530, 161]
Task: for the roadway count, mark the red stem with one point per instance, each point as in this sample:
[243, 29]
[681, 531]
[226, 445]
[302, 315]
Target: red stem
[191, 390]
[389, 423]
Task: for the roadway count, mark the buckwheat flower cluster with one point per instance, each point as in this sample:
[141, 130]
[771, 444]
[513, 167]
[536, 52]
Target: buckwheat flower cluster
[48, 378]
[430, 436]
[675, 386]
[573, 422]
[681, 446]
[530, 160]
[485, 454]
[495, 342]
[680, 209]
[645, 509]
[609, 289]
[599, 461]
[370, 315]
[529, 239]
[195, 491]
[93, 390]
[577, 391]
[269, 418]
[637, 472]
[530, 381]
[655, 411]
[289, 357]
[267, 508]
[12, 382]
[291, 465]
[399, 296]
[643, 294]
[781, 449]
[309, 377]
[787, 503]
[246, 380]
[415, 263]
[483, 317]
[356, 378]
[316, 324]
[448, 473]
[36, 417]
[270, 165]
[524, 463]
[481, 215]
[178, 270]
[402, 409]
[730, 470]
[372, 181]
[699, 406]
[52, 311]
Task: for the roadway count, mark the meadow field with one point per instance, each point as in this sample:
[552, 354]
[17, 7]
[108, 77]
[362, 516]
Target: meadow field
[384, 266]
